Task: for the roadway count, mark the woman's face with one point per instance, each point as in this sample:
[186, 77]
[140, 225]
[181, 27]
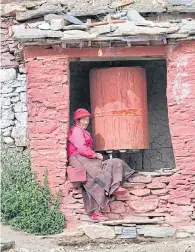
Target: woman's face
[83, 122]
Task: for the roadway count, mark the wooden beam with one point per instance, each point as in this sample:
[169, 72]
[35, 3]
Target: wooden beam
[137, 51]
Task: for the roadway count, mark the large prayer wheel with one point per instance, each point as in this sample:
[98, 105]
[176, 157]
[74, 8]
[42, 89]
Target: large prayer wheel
[119, 108]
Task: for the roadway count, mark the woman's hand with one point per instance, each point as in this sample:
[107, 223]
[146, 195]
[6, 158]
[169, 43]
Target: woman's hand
[99, 156]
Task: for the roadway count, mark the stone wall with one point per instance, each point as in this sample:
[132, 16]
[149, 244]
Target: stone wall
[166, 199]
[14, 109]
[160, 153]
[13, 90]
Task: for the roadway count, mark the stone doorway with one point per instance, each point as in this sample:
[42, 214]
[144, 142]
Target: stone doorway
[160, 152]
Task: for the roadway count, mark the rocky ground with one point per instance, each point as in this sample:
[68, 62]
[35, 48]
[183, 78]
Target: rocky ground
[30, 243]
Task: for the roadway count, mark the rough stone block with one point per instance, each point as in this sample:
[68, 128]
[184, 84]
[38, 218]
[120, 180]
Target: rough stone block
[118, 230]
[21, 118]
[156, 185]
[44, 26]
[180, 200]
[77, 34]
[57, 24]
[9, 141]
[7, 245]
[20, 107]
[188, 229]
[145, 204]
[7, 75]
[20, 89]
[19, 133]
[182, 235]
[106, 209]
[140, 192]
[160, 191]
[159, 232]
[6, 90]
[36, 34]
[141, 179]
[129, 233]
[117, 207]
[99, 231]
[15, 99]
[179, 219]
[6, 123]
[7, 114]
[134, 185]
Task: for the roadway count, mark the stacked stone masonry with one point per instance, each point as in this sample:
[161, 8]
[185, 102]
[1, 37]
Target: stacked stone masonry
[166, 199]
[13, 90]
[13, 108]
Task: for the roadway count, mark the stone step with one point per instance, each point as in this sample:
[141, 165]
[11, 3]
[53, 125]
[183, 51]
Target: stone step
[131, 220]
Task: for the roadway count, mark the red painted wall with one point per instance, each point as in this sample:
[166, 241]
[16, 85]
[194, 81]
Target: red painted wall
[48, 111]
[181, 103]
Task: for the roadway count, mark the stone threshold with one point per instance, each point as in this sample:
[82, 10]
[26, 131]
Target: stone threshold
[98, 232]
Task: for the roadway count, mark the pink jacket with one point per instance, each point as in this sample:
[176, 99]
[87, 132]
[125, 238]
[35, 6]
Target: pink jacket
[80, 142]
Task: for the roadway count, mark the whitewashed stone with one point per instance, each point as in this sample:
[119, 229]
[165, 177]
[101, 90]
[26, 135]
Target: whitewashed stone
[11, 8]
[23, 97]
[21, 117]
[19, 134]
[49, 17]
[134, 16]
[77, 34]
[18, 27]
[6, 123]
[20, 107]
[19, 83]
[10, 94]
[6, 133]
[35, 24]
[22, 69]
[99, 231]
[5, 101]
[6, 90]
[57, 24]
[44, 26]
[182, 235]
[159, 232]
[9, 141]
[36, 33]
[15, 99]
[189, 229]
[21, 77]
[7, 114]
[7, 74]
[20, 89]
[118, 230]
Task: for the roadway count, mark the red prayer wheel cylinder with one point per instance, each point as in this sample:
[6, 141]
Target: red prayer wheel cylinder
[119, 108]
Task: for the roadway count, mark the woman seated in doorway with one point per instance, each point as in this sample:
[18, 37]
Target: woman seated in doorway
[104, 178]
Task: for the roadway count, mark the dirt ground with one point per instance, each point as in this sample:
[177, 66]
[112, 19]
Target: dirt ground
[30, 243]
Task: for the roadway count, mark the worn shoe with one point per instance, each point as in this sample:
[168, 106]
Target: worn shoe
[98, 217]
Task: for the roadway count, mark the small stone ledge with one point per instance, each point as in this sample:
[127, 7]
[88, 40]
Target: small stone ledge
[166, 200]
[99, 232]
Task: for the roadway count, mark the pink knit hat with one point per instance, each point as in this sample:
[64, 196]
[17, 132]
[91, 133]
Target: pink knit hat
[79, 113]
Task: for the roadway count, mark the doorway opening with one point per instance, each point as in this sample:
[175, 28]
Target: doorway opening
[160, 153]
